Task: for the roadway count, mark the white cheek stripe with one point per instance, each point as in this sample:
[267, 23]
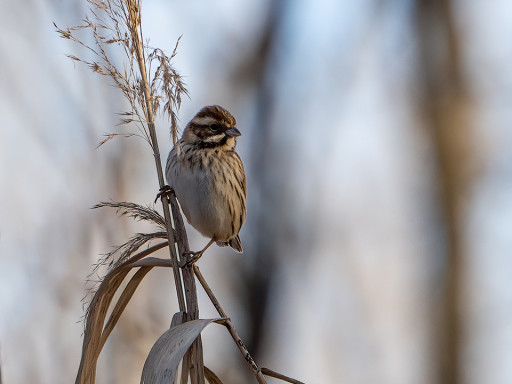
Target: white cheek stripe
[214, 139]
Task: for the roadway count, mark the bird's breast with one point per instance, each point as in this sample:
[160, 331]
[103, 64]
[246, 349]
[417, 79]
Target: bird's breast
[203, 190]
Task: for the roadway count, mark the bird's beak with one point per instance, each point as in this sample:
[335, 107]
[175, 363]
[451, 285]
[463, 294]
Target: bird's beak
[232, 132]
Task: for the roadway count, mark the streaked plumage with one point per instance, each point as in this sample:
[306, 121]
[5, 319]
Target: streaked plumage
[208, 176]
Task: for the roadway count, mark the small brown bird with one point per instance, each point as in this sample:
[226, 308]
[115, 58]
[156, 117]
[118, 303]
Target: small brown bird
[208, 177]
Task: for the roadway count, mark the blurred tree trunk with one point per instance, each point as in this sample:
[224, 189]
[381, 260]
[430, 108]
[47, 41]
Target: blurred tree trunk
[265, 247]
[444, 107]
[257, 71]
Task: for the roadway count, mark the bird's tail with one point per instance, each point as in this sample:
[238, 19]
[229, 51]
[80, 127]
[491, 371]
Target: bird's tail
[234, 243]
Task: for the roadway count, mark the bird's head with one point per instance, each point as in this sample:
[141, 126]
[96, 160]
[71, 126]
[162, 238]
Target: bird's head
[213, 126]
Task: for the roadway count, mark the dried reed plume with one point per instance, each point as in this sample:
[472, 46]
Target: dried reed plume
[115, 26]
[151, 85]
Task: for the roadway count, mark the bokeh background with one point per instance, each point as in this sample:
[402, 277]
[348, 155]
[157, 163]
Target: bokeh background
[377, 139]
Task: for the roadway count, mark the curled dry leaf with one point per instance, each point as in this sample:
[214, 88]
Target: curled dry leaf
[211, 377]
[96, 331]
[162, 363]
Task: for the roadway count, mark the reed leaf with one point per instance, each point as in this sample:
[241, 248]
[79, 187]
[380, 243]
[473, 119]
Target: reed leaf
[161, 365]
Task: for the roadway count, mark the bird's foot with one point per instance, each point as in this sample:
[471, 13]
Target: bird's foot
[188, 261]
[164, 191]
[192, 258]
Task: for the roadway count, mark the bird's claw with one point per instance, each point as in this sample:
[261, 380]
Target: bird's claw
[187, 262]
[164, 191]
[194, 256]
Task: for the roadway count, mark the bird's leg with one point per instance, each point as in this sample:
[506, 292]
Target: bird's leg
[197, 255]
[164, 191]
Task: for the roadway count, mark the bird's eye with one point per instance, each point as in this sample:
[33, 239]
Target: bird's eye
[214, 127]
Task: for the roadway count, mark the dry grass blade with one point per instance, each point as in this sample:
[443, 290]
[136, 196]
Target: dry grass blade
[153, 262]
[211, 377]
[135, 211]
[110, 136]
[280, 376]
[123, 302]
[162, 363]
[97, 312]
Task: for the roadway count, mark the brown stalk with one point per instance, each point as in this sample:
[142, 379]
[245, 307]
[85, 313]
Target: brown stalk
[193, 362]
[194, 357]
[136, 32]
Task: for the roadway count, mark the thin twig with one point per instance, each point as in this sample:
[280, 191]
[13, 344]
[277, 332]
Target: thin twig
[279, 376]
[231, 328]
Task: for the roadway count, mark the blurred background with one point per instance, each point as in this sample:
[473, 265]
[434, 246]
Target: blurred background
[377, 139]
